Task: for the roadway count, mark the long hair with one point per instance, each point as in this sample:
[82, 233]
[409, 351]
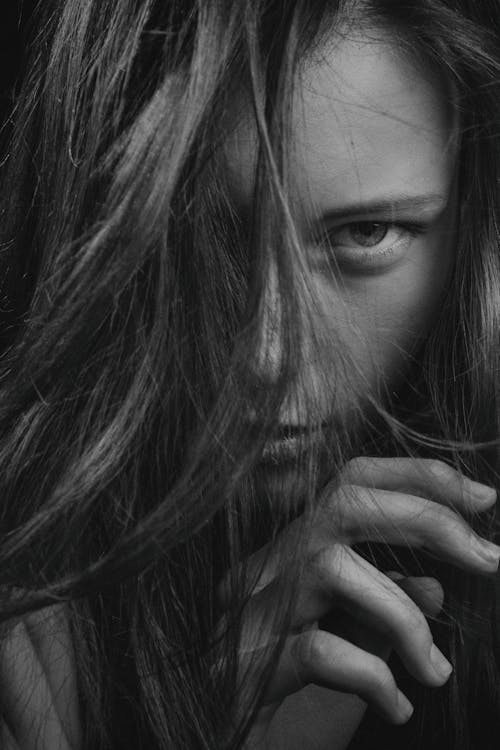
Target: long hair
[132, 302]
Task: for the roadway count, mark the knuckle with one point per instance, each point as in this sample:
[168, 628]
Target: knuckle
[309, 652]
[332, 507]
[441, 471]
[442, 521]
[339, 519]
[454, 522]
[379, 677]
[439, 526]
[433, 517]
[355, 467]
[412, 624]
[447, 514]
[324, 565]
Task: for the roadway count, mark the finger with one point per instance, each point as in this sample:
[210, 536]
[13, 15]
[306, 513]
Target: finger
[329, 661]
[361, 514]
[339, 578]
[26, 696]
[426, 592]
[428, 478]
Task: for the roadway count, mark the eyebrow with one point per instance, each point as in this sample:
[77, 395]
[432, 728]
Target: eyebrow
[389, 205]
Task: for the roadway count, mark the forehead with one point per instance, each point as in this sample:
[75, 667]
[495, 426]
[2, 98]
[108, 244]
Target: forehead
[366, 121]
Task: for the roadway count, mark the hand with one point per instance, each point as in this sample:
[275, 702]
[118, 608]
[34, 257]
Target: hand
[38, 684]
[407, 502]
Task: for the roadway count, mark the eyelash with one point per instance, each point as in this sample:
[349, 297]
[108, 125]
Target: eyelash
[360, 256]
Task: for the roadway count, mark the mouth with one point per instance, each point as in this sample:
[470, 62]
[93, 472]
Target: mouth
[291, 444]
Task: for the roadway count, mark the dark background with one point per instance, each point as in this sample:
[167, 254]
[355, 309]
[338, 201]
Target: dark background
[14, 27]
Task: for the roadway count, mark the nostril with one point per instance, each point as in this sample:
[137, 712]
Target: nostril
[262, 395]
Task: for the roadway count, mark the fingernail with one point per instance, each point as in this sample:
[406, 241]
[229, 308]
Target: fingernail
[487, 551]
[441, 665]
[404, 707]
[481, 491]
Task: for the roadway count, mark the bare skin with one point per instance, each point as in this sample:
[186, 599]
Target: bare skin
[373, 164]
[38, 685]
[390, 497]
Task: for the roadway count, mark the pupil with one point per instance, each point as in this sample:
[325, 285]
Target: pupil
[368, 233]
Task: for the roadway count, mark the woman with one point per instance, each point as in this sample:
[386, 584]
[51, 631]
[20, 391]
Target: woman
[250, 290]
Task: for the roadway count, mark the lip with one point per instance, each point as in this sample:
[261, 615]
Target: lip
[279, 452]
[289, 445]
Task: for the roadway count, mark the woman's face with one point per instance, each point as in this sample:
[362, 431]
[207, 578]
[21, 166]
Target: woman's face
[373, 169]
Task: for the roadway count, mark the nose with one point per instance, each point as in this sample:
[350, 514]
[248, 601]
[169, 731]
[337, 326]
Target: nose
[317, 383]
[268, 361]
[269, 349]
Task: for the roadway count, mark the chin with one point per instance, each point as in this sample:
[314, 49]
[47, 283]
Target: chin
[291, 478]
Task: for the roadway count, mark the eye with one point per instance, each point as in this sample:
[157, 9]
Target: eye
[368, 245]
[365, 233]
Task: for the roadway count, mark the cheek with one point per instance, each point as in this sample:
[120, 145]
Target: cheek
[382, 319]
[399, 310]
